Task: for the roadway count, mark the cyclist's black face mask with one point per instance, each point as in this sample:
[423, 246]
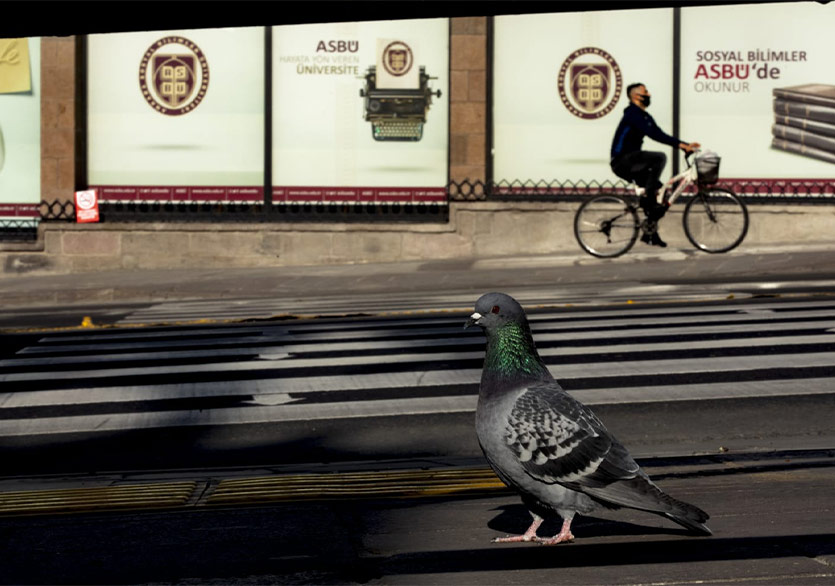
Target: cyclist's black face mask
[644, 100]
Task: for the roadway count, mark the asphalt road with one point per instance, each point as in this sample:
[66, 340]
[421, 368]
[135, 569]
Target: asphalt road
[649, 274]
[727, 404]
[668, 379]
[772, 520]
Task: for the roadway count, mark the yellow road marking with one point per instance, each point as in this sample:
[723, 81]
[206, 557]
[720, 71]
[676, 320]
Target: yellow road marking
[391, 484]
[74, 500]
[251, 490]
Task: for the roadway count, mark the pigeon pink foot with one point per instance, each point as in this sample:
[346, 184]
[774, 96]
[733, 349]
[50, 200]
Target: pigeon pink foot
[529, 535]
[561, 537]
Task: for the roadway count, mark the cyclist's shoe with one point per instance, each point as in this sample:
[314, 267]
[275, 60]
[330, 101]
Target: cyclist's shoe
[654, 239]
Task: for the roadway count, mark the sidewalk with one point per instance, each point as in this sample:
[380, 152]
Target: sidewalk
[760, 537]
[470, 276]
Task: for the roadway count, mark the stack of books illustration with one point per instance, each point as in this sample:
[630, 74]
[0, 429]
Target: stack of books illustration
[804, 120]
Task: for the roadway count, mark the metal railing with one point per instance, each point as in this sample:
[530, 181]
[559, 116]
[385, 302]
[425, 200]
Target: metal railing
[22, 230]
[754, 191]
[146, 211]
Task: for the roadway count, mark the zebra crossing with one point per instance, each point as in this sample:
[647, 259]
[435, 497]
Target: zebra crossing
[199, 310]
[276, 372]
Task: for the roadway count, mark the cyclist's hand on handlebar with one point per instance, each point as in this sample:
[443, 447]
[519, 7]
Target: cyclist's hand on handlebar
[689, 147]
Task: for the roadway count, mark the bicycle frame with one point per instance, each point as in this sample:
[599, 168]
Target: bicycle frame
[685, 179]
[608, 224]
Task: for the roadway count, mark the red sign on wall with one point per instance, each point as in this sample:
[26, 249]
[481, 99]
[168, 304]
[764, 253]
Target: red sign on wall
[86, 206]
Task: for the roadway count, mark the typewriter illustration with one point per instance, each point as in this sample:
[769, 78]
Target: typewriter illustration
[397, 114]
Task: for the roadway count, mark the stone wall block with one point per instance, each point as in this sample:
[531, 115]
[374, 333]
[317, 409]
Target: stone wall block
[64, 52]
[66, 178]
[225, 244]
[469, 25]
[380, 247]
[57, 118]
[300, 248]
[363, 247]
[58, 82]
[272, 244]
[467, 118]
[93, 243]
[469, 52]
[473, 224]
[49, 114]
[49, 175]
[476, 149]
[459, 87]
[515, 232]
[458, 148]
[477, 86]
[428, 246]
[57, 142]
[92, 264]
[151, 249]
[53, 242]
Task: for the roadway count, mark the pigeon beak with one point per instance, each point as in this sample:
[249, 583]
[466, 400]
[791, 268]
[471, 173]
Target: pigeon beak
[474, 319]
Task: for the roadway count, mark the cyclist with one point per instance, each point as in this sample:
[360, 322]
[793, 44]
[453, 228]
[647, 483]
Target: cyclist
[631, 163]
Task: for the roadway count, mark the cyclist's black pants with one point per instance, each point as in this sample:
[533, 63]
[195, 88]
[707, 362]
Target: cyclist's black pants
[643, 167]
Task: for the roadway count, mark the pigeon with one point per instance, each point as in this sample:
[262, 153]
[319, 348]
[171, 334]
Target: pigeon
[546, 444]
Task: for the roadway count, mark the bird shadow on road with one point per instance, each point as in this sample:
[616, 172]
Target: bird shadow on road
[591, 553]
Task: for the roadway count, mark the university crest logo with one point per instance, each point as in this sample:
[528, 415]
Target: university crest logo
[174, 76]
[590, 83]
[397, 58]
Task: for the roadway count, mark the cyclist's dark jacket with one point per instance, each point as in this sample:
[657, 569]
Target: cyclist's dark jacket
[633, 127]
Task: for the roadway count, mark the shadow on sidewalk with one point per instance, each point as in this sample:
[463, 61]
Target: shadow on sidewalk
[578, 555]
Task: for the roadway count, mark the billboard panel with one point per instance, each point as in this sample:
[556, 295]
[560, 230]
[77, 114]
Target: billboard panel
[762, 96]
[177, 115]
[360, 111]
[20, 129]
[558, 88]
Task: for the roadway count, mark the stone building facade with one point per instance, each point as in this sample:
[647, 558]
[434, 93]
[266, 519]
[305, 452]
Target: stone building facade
[472, 229]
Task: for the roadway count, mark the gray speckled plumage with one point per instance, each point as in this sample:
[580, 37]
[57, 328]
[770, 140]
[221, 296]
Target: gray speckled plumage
[547, 445]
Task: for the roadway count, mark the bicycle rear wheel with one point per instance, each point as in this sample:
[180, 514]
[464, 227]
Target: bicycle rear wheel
[715, 220]
[606, 226]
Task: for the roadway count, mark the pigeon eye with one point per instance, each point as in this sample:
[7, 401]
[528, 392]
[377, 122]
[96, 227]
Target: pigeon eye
[495, 309]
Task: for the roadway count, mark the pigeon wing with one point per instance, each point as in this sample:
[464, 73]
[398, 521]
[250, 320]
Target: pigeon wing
[557, 439]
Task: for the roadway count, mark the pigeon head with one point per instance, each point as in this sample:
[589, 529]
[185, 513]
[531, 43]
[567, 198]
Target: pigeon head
[494, 310]
[510, 352]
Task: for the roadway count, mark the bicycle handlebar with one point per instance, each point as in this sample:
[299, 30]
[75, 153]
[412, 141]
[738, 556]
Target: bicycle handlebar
[688, 154]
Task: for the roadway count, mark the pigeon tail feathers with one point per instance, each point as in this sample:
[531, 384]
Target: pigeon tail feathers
[688, 523]
[642, 494]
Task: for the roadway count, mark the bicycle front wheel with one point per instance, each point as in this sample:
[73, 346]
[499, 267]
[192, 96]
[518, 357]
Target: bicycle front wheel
[606, 226]
[715, 220]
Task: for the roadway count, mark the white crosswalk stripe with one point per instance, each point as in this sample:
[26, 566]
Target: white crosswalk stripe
[584, 294]
[579, 294]
[338, 368]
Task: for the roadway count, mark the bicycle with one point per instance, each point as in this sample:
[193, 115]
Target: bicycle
[715, 219]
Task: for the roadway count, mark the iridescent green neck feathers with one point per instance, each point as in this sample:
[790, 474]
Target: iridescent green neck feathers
[511, 353]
